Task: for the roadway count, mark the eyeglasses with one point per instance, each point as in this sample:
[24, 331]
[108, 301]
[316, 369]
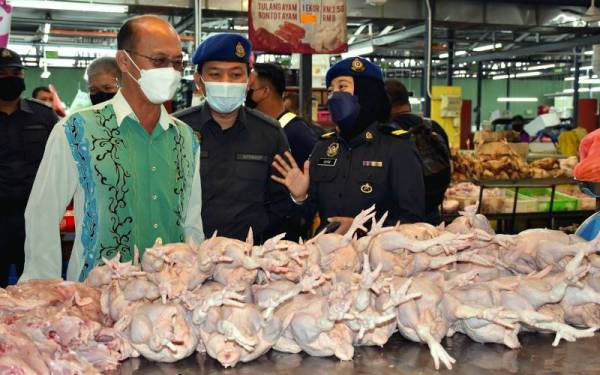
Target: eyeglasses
[103, 88]
[162, 61]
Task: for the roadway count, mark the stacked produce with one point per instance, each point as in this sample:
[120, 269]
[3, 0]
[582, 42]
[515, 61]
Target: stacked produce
[498, 161]
[236, 301]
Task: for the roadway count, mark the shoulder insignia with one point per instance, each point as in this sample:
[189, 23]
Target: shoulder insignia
[327, 135]
[36, 101]
[399, 132]
[263, 118]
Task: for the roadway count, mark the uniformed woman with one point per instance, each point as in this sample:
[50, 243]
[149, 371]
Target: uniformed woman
[364, 162]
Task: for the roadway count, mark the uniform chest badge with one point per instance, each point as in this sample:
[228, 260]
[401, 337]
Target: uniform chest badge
[366, 188]
[368, 136]
[333, 149]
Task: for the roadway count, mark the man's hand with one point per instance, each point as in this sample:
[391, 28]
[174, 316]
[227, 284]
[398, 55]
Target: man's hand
[345, 223]
[294, 179]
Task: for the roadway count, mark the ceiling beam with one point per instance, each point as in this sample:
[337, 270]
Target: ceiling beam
[390, 38]
[532, 50]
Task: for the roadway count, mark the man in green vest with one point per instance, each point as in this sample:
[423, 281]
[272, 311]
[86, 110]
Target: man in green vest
[132, 168]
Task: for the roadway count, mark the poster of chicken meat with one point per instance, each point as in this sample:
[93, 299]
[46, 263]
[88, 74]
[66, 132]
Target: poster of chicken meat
[298, 26]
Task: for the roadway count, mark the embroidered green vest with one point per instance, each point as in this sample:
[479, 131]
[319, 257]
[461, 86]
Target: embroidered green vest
[136, 185]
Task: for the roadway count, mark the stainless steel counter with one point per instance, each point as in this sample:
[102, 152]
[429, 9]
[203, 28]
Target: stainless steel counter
[398, 356]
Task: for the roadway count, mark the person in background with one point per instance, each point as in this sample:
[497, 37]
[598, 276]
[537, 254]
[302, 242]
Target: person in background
[432, 144]
[43, 94]
[103, 76]
[238, 145]
[132, 168]
[266, 96]
[518, 124]
[291, 102]
[25, 125]
[364, 163]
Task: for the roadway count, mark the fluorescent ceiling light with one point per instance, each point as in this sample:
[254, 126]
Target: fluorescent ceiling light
[487, 47]
[541, 67]
[581, 89]
[66, 5]
[590, 52]
[445, 55]
[500, 76]
[528, 74]
[588, 67]
[589, 81]
[518, 99]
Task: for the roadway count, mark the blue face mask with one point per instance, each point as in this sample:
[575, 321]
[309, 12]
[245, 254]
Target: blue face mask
[344, 109]
[225, 97]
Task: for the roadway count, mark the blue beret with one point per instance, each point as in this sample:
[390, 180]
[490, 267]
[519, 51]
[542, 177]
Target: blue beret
[223, 47]
[355, 67]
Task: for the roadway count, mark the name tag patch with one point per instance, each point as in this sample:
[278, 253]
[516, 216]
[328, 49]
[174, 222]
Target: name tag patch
[327, 162]
[203, 154]
[369, 163]
[252, 157]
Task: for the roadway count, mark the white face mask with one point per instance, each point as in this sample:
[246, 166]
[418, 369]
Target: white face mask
[225, 97]
[159, 84]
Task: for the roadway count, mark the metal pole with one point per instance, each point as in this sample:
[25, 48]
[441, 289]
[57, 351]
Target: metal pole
[306, 86]
[450, 66]
[426, 84]
[576, 87]
[479, 84]
[197, 22]
[508, 92]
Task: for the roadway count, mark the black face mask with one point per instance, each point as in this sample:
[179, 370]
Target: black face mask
[11, 88]
[250, 103]
[101, 97]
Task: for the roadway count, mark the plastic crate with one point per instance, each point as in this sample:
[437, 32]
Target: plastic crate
[524, 203]
[562, 202]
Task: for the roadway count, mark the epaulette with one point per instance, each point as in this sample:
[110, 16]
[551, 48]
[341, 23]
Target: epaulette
[261, 116]
[39, 102]
[187, 111]
[399, 133]
[394, 130]
[327, 135]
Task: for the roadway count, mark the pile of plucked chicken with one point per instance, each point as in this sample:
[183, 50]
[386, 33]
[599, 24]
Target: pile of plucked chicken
[236, 301]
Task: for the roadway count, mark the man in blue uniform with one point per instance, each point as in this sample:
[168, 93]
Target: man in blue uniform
[238, 145]
[25, 125]
[266, 96]
[365, 162]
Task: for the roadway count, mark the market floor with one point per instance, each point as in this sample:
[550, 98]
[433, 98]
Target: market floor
[403, 357]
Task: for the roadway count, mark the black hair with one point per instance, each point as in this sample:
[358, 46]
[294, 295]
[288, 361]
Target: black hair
[272, 73]
[397, 92]
[38, 90]
[518, 118]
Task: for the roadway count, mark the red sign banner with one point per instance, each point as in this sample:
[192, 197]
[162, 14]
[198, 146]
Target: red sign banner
[298, 26]
[5, 13]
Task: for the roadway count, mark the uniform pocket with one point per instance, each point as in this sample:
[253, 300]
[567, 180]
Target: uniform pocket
[252, 179]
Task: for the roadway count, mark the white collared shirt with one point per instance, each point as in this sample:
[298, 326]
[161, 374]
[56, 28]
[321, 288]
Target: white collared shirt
[58, 181]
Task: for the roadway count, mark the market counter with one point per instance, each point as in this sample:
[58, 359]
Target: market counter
[398, 356]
